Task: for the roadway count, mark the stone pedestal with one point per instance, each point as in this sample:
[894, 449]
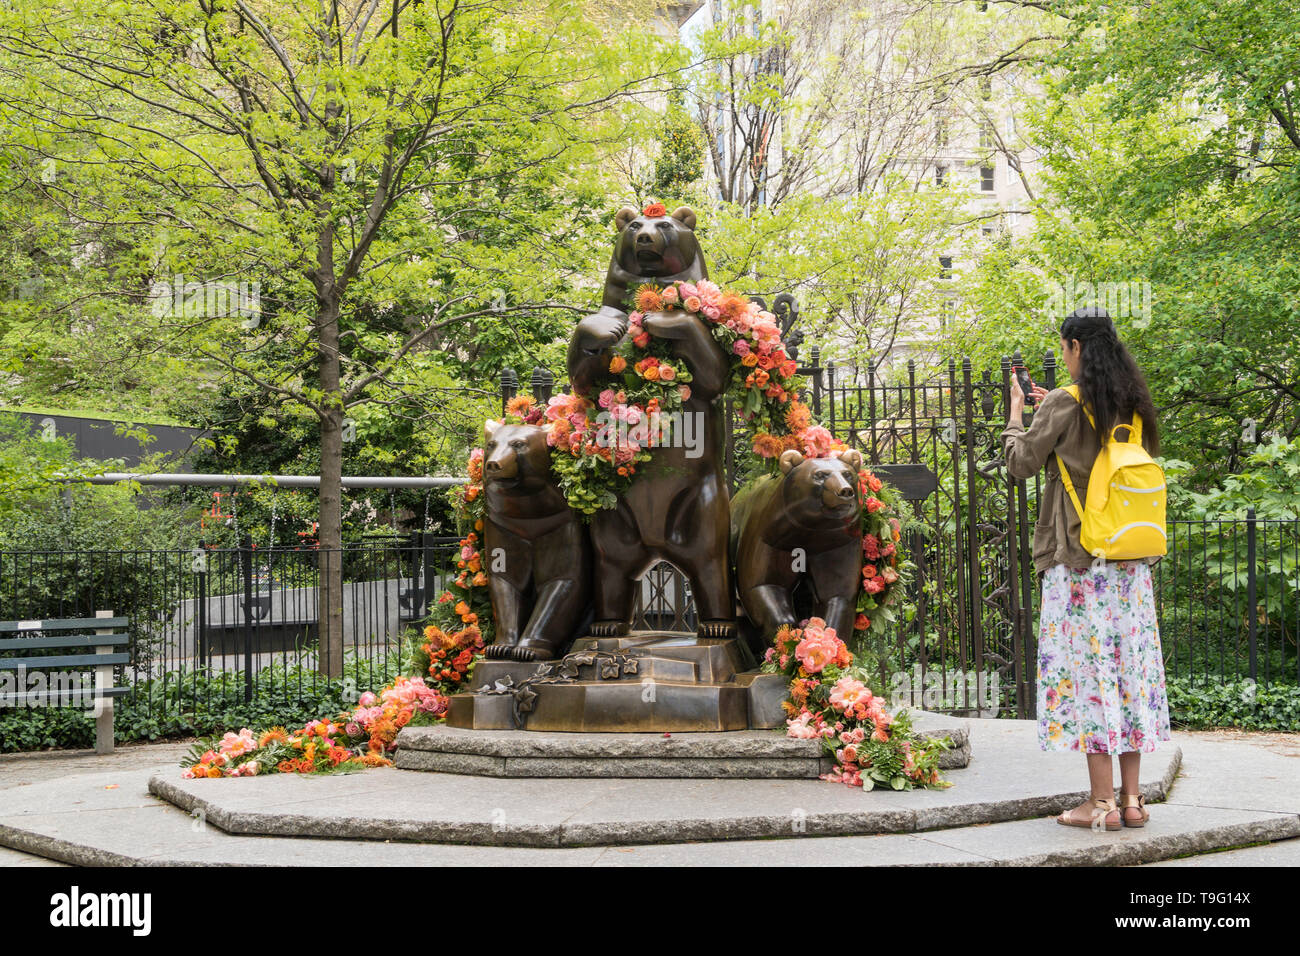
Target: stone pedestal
[646, 682]
[739, 754]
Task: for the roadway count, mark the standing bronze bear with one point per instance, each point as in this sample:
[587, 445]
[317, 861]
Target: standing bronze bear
[535, 549]
[800, 527]
[677, 508]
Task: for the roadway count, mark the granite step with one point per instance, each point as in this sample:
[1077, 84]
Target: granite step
[752, 754]
[1010, 781]
[81, 821]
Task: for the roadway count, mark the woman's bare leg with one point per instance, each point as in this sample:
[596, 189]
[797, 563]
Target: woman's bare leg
[1129, 764]
[1101, 786]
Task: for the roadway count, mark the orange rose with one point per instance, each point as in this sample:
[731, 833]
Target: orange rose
[617, 364]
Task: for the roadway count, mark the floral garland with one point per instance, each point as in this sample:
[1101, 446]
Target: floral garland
[351, 741]
[830, 701]
[885, 572]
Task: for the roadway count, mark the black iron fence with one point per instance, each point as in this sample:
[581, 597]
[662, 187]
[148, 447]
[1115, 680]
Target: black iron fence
[243, 622]
[239, 623]
[216, 625]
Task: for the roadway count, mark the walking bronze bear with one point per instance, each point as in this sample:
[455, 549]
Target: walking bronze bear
[535, 549]
[800, 527]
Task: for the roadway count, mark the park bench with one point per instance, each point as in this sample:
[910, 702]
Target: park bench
[99, 642]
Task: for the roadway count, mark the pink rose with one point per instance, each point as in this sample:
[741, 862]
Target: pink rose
[816, 650]
[849, 693]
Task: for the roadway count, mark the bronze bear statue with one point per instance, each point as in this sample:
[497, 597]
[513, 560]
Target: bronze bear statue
[535, 549]
[677, 508]
[800, 527]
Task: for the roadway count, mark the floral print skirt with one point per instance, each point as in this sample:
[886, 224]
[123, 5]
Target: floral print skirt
[1101, 676]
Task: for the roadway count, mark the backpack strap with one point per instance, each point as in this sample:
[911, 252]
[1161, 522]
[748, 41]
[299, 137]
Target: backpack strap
[1073, 392]
[1069, 485]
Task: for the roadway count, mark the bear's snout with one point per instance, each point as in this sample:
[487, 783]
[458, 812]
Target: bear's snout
[502, 464]
[837, 494]
[649, 241]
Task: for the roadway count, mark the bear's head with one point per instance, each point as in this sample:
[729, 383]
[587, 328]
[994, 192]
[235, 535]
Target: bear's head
[822, 490]
[515, 452]
[653, 244]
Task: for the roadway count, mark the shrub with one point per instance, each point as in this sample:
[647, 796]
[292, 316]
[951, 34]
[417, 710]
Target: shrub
[1242, 704]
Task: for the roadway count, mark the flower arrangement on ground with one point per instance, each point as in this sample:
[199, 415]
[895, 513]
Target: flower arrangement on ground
[350, 741]
[831, 702]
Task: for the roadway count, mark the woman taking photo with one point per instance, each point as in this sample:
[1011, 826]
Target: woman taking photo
[1101, 681]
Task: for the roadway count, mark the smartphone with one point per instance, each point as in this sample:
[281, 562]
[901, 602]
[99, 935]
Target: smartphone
[1022, 377]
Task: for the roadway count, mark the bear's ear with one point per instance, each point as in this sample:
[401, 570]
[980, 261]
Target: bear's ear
[790, 459]
[686, 216]
[490, 426]
[852, 457]
[547, 428]
[624, 216]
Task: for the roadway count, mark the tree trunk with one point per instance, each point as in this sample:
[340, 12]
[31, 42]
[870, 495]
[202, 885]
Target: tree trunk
[330, 658]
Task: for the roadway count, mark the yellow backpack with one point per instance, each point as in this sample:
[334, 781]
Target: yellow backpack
[1125, 513]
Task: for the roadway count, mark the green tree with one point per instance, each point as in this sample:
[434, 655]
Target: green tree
[335, 158]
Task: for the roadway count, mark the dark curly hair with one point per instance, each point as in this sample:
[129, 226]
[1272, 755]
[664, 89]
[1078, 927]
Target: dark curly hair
[1110, 382]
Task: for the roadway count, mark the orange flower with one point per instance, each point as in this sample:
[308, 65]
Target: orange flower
[617, 364]
[519, 405]
[275, 734]
[767, 446]
[461, 608]
[651, 373]
[749, 360]
[649, 300]
[656, 210]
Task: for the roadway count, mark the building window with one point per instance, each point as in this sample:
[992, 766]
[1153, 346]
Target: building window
[986, 179]
[987, 136]
[986, 87]
[940, 175]
[941, 131]
[1013, 220]
[945, 267]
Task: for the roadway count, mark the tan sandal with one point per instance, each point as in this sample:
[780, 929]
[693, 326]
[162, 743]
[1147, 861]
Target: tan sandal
[1127, 800]
[1101, 808]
